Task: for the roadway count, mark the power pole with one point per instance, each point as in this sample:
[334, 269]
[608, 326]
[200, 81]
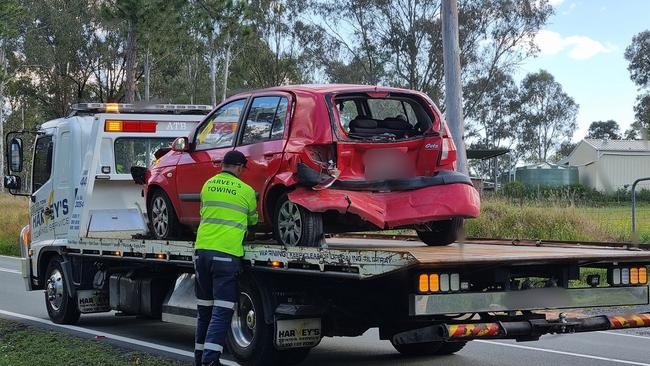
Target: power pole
[453, 89]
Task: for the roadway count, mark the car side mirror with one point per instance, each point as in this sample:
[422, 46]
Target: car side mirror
[181, 144]
[12, 182]
[16, 155]
[138, 174]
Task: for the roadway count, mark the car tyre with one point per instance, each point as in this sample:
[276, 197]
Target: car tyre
[61, 307]
[250, 339]
[442, 233]
[295, 225]
[163, 221]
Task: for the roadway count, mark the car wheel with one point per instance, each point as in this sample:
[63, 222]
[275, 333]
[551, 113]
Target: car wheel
[441, 233]
[61, 308]
[418, 349]
[294, 225]
[162, 216]
[251, 339]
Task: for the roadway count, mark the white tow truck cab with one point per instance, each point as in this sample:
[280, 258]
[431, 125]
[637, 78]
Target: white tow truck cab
[87, 248]
[81, 184]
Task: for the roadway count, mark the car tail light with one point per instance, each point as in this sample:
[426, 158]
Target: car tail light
[448, 152]
[113, 125]
[321, 155]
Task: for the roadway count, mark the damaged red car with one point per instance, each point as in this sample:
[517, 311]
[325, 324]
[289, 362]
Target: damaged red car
[323, 159]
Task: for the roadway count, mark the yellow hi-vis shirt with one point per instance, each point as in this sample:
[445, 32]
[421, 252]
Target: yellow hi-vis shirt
[228, 207]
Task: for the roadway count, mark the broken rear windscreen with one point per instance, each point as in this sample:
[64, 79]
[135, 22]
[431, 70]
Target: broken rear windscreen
[390, 118]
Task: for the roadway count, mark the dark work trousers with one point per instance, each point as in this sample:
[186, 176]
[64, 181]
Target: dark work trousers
[217, 291]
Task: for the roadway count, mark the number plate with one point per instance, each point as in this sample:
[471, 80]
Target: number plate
[92, 301]
[297, 333]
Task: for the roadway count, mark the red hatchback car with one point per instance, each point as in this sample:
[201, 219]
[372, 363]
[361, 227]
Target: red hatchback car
[323, 159]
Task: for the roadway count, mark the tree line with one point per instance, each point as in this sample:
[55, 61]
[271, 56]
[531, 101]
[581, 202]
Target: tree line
[54, 53]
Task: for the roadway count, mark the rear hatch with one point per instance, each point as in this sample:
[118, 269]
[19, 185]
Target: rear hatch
[385, 136]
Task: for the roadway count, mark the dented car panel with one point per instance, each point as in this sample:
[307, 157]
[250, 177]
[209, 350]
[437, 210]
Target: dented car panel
[394, 209]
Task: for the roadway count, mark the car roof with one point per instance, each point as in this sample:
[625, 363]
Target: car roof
[330, 88]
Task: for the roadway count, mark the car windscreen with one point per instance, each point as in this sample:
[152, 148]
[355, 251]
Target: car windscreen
[137, 151]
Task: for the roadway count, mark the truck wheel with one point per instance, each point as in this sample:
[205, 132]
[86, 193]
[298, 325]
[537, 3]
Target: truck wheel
[162, 217]
[418, 349]
[448, 348]
[295, 226]
[61, 308]
[251, 340]
[441, 233]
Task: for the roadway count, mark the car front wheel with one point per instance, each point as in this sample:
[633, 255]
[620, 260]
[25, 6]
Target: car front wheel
[295, 225]
[162, 216]
[441, 233]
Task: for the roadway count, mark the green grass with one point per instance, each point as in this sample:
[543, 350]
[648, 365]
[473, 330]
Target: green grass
[503, 219]
[26, 345]
[13, 217]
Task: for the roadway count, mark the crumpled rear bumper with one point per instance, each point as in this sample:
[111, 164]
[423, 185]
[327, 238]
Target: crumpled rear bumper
[394, 209]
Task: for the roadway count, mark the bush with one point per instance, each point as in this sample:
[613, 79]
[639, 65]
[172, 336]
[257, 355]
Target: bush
[569, 194]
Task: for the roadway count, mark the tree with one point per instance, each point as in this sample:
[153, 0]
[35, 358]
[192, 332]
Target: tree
[638, 55]
[565, 149]
[493, 120]
[548, 116]
[604, 130]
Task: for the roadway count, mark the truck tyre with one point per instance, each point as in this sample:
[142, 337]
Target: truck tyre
[162, 216]
[61, 308]
[418, 349]
[294, 225]
[250, 339]
[448, 348]
[442, 233]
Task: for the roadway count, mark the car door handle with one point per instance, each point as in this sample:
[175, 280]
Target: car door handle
[217, 162]
[269, 155]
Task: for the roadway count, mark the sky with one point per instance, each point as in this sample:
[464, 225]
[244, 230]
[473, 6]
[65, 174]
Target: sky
[582, 45]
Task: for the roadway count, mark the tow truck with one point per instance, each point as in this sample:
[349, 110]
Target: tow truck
[88, 248]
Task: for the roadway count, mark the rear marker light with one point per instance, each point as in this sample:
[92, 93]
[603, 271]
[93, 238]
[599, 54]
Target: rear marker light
[423, 283]
[634, 276]
[112, 125]
[643, 275]
[444, 282]
[625, 276]
[616, 276]
[434, 283]
[440, 282]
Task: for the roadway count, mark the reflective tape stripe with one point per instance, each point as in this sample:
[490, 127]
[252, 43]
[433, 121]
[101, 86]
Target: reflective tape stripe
[198, 347]
[224, 304]
[213, 347]
[231, 206]
[222, 259]
[236, 224]
[200, 302]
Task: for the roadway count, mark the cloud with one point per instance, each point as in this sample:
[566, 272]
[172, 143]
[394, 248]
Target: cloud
[555, 2]
[579, 47]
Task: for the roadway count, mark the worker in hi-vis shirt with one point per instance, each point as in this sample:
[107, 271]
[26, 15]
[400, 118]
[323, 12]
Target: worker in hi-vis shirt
[228, 207]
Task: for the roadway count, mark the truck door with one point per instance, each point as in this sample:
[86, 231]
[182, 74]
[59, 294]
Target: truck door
[62, 182]
[41, 210]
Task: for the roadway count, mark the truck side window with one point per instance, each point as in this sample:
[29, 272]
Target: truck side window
[42, 162]
[220, 129]
[265, 120]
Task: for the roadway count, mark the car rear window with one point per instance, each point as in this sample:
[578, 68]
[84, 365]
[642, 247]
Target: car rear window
[396, 117]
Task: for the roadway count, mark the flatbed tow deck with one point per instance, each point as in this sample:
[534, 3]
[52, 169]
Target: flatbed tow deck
[425, 300]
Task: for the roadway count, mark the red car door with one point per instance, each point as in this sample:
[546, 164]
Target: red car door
[212, 139]
[262, 140]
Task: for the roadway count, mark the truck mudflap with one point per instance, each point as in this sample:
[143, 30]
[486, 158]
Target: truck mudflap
[526, 330]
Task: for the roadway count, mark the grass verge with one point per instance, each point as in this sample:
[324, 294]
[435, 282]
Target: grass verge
[22, 344]
[13, 217]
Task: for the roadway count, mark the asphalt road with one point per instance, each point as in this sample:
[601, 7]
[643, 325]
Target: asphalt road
[600, 348]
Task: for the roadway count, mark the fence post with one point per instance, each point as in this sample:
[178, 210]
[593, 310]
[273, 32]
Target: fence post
[634, 203]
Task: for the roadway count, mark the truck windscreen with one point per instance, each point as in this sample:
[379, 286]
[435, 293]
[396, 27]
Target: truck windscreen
[132, 151]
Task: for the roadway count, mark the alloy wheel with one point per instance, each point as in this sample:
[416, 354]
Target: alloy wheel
[244, 321]
[160, 216]
[290, 223]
